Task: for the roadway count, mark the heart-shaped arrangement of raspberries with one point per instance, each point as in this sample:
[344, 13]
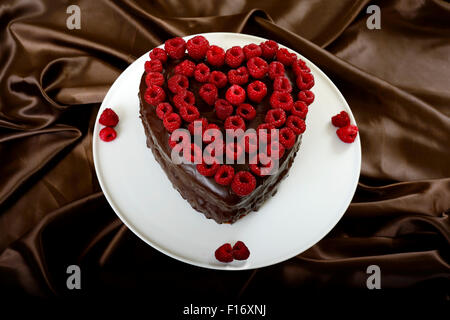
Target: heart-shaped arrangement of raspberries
[198, 87]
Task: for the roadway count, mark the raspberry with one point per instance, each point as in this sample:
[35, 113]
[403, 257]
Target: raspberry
[265, 132]
[194, 154]
[108, 118]
[283, 100]
[163, 109]
[207, 170]
[341, 119]
[219, 79]
[276, 117]
[224, 253]
[189, 113]
[306, 96]
[208, 92]
[282, 84]
[234, 123]
[238, 76]
[305, 81]
[224, 175]
[275, 150]
[348, 133]
[262, 169]
[178, 83]
[269, 49]
[215, 56]
[208, 138]
[154, 95]
[223, 109]
[183, 98]
[287, 137]
[158, 54]
[296, 124]
[179, 140]
[175, 47]
[154, 78]
[213, 152]
[185, 68]
[203, 122]
[285, 57]
[233, 151]
[243, 183]
[252, 50]
[300, 66]
[107, 134]
[235, 94]
[276, 69]
[154, 65]
[240, 251]
[234, 57]
[172, 122]
[201, 73]
[300, 109]
[257, 67]
[250, 142]
[256, 91]
[246, 111]
[197, 47]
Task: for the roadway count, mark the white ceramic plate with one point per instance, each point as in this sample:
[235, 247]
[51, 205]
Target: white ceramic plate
[309, 202]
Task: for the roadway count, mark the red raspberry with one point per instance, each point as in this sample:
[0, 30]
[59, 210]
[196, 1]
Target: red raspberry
[197, 47]
[179, 140]
[163, 109]
[215, 56]
[300, 66]
[234, 151]
[213, 152]
[207, 170]
[208, 92]
[246, 111]
[265, 132]
[256, 91]
[234, 122]
[269, 49]
[285, 57]
[172, 122]
[287, 137]
[208, 138]
[201, 73]
[219, 79]
[154, 78]
[276, 69]
[341, 119]
[195, 125]
[234, 57]
[158, 54]
[252, 50]
[238, 76]
[183, 98]
[251, 142]
[262, 169]
[185, 68]
[235, 94]
[257, 67]
[154, 95]
[194, 155]
[283, 100]
[276, 117]
[224, 253]
[224, 175]
[240, 251]
[296, 124]
[175, 47]
[275, 150]
[305, 81]
[107, 134]
[306, 96]
[282, 84]
[108, 118]
[223, 109]
[154, 65]
[300, 109]
[189, 113]
[348, 133]
[243, 183]
[178, 83]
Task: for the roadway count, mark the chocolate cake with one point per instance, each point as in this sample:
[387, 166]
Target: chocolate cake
[216, 201]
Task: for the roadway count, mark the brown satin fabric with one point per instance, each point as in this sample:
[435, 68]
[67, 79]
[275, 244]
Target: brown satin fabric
[52, 81]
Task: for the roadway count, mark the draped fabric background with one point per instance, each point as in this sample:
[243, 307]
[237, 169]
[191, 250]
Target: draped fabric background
[52, 81]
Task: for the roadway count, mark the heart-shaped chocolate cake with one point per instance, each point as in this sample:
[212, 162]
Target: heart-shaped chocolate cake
[225, 126]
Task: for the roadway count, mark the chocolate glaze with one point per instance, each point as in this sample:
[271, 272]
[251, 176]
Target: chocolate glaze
[203, 193]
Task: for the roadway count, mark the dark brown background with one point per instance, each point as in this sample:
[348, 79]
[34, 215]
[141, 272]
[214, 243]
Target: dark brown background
[53, 213]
